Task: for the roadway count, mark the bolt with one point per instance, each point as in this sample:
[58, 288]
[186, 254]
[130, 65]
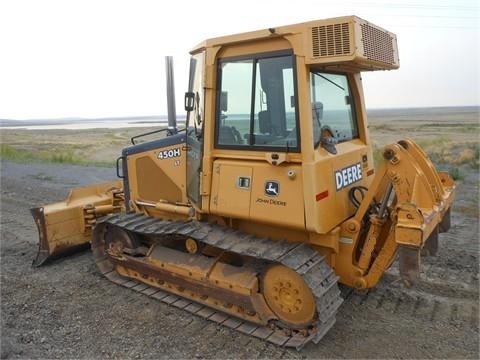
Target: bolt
[351, 227]
[388, 154]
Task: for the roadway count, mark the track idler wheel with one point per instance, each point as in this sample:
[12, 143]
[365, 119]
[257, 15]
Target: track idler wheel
[119, 242]
[193, 246]
[288, 296]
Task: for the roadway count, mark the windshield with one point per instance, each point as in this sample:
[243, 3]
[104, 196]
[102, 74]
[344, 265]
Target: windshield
[332, 106]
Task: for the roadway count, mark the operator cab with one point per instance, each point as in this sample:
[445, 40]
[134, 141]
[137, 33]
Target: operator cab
[258, 115]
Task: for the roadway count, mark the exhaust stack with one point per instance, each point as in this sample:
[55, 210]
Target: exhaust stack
[172, 116]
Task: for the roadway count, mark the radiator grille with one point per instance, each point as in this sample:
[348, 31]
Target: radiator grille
[331, 40]
[377, 44]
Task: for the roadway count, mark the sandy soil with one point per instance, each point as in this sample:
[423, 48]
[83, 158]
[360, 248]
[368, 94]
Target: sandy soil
[68, 310]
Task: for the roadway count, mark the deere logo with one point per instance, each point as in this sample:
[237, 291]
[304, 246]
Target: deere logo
[272, 188]
[348, 176]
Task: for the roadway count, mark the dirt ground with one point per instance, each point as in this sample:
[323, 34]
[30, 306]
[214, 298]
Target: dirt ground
[68, 310]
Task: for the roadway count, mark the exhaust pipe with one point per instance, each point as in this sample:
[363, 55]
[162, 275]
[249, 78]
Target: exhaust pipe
[172, 116]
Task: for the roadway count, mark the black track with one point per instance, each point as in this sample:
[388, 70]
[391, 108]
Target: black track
[311, 266]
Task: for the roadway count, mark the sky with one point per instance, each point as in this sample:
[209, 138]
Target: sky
[105, 58]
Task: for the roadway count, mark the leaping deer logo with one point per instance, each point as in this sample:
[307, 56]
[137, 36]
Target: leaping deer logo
[272, 188]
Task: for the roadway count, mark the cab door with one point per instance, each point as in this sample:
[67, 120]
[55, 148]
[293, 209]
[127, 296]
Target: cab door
[257, 173]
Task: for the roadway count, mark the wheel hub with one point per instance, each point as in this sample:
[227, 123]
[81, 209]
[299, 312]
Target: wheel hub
[288, 296]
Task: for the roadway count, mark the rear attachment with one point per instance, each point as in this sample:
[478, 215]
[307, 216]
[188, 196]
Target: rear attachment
[404, 210]
[66, 227]
[281, 292]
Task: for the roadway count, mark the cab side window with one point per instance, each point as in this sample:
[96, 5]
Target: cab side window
[332, 106]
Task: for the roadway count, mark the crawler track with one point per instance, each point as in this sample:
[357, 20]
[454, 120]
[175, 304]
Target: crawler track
[305, 261]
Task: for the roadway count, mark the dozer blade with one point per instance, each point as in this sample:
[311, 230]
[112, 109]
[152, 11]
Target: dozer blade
[66, 226]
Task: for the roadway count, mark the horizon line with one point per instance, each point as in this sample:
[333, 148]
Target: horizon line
[165, 116]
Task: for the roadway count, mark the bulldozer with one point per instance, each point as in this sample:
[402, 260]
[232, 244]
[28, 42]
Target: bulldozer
[268, 199]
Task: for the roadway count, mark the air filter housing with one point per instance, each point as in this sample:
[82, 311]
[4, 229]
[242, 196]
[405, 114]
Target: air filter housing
[351, 41]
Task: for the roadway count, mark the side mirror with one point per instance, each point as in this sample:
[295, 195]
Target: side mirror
[189, 101]
[224, 101]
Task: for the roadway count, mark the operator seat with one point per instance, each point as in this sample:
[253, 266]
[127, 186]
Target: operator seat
[229, 135]
[264, 122]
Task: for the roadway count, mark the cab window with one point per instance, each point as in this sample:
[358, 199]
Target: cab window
[332, 107]
[256, 106]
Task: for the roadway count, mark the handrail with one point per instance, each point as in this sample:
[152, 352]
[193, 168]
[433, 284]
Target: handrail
[169, 130]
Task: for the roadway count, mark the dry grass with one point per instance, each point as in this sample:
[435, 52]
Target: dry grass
[99, 147]
[449, 135]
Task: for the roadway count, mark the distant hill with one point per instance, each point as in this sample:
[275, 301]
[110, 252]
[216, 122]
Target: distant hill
[73, 120]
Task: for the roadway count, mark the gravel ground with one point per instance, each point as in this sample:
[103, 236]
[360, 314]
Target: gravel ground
[68, 310]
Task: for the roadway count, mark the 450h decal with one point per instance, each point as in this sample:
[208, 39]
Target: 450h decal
[168, 154]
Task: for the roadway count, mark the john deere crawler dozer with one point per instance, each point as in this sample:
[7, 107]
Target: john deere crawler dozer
[251, 214]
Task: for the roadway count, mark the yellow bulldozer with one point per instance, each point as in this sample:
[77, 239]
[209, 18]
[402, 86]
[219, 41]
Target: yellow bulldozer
[253, 213]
